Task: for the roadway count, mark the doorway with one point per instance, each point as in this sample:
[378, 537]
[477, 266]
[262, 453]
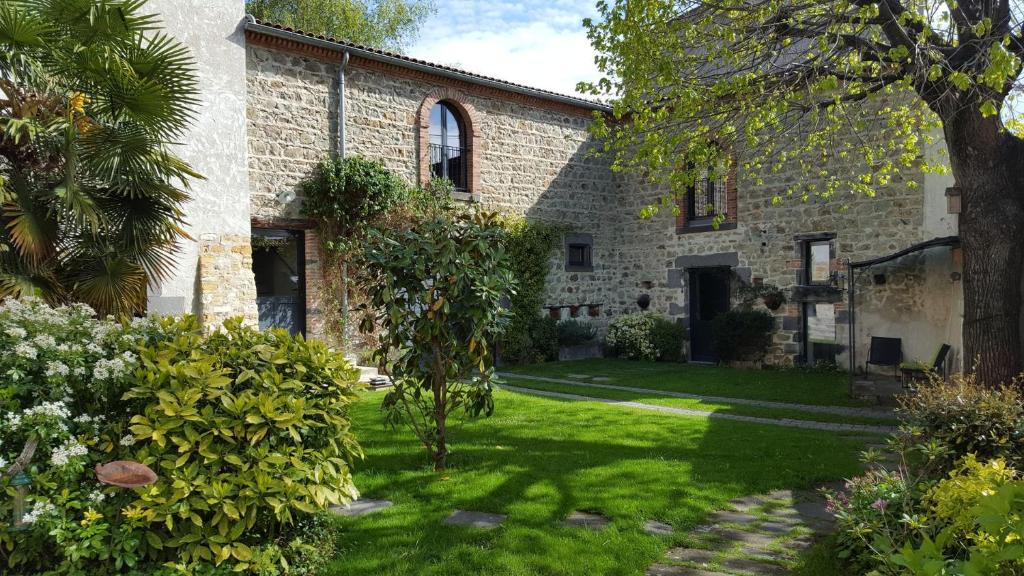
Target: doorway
[279, 267]
[709, 296]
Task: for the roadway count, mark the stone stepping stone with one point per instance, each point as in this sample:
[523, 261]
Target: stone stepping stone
[762, 554]
[785, 495]
[587, 520]
[748, 566]
[361, 507]
[798, 544]
[655, 528]
[814, 511]
[732, 518]
[747, 503]
[473, 519]
[776, 527]
[742, 537]
[578, 376]
[694, 555]
[601, 379]
[665, 570]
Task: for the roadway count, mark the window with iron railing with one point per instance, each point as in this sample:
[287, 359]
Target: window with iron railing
[450, 162]
[449, 156]
[707, 198]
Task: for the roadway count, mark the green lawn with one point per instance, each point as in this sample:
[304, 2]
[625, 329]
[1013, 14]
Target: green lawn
[693, 404]
[539, 459]
[826, 389]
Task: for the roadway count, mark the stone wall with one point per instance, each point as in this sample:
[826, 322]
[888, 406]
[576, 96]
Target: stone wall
[213, 275]
[918, 301]
[531, 159]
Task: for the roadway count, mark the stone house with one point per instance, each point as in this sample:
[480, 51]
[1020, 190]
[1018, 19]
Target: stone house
[277, 101]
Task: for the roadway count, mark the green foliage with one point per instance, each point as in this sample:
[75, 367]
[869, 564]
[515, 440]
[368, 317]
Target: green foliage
[534, 340]
[573, 332]
[645, 336]
[347, 196]
[92, 194]
[996, 548]
[870, 514]
[957, 508]
[253, 423]
[530, 337]
[952, 499]
[247, 432]
[388, 24]
[436, 295]
[742, 334]
[946, 420]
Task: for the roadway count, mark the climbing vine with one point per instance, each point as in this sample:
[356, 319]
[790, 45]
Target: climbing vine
[530, 336]
[348, 197]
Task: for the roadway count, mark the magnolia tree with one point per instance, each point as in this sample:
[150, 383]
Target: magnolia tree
[849, 92]
[437, 291]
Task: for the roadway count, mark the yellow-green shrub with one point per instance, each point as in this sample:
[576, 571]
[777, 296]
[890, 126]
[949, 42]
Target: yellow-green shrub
[951, 500]
[244, 429]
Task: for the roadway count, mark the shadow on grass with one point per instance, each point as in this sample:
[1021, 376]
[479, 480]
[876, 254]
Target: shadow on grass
[537, 460]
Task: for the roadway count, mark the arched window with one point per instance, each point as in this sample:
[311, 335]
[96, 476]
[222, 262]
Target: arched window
[449, 157]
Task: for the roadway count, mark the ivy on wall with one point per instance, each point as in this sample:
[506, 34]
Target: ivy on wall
[348, 197]
[530, 337]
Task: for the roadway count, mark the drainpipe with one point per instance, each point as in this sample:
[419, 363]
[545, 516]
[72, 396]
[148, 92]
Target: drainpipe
[852, 319]
[341, 104]
[341, 154]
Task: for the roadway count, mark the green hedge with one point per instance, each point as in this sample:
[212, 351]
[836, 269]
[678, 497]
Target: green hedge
[742, 334]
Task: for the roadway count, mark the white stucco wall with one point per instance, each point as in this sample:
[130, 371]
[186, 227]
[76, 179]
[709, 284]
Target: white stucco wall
[218, 213]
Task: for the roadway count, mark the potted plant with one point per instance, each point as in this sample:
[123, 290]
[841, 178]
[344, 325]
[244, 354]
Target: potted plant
[771, 296]
[577, 339]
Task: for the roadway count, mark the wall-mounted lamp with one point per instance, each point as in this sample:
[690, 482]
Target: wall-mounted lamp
[953, 200]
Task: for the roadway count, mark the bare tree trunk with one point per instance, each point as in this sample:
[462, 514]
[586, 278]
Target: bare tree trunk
[440, 410]
[987, 164]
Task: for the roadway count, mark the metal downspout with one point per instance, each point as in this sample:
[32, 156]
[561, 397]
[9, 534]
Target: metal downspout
[341, 104]
[851, 286]
[341, 154]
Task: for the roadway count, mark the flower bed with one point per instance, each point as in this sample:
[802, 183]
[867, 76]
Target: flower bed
[247, 432]
[955, 504]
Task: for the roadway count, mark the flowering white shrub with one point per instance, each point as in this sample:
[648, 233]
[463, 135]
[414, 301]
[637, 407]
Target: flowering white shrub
[62, 387]
[645, 336]
[87, 391]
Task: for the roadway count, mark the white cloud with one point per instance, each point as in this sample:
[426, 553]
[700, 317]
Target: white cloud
[542, 45]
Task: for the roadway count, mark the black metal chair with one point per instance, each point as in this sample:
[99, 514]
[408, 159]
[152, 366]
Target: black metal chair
[912, 373]
[886, 352]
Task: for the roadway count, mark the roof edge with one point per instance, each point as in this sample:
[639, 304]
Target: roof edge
[253, 25]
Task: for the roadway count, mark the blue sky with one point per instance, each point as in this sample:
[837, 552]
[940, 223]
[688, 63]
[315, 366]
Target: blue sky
[537, 43]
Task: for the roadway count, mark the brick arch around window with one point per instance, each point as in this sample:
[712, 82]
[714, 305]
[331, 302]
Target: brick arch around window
[685, 222]
[470, 125]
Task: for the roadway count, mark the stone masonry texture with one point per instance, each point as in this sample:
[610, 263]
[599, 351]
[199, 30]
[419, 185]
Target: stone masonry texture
[533, 160]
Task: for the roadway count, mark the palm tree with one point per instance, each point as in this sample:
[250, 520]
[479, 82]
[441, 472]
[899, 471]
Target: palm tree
[92, 95]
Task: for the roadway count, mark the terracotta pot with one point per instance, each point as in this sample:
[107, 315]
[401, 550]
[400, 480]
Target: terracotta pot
[772, 301]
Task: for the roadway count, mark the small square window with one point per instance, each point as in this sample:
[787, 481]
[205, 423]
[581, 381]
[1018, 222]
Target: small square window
[579, 253]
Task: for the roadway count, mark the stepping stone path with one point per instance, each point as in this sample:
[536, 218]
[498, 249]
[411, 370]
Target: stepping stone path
[587, 520]
[655, 528]
[473, 519]
[361, 507]
[761, 536]
[787, 422]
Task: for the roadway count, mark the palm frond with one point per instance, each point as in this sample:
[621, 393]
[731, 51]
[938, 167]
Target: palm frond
[111, 285]
[28, 221]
